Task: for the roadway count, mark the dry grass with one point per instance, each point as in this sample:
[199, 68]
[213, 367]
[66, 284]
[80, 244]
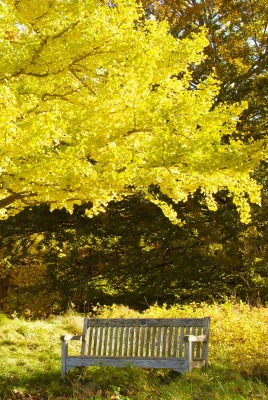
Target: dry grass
[30, 359]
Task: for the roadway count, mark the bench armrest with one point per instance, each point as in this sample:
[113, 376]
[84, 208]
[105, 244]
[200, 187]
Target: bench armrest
[192, 338]
[189, 340]
[64, 349]
[66, 338]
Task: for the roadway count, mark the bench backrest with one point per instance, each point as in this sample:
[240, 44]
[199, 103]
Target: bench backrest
[160, 337]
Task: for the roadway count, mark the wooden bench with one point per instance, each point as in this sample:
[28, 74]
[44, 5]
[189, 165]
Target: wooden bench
[178, 343]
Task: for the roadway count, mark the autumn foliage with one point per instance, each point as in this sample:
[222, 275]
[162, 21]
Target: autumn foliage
[99, 102]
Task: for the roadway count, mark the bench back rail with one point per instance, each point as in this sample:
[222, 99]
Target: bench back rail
[141, 337]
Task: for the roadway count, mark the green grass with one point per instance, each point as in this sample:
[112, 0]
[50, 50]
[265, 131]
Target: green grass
[238, 369]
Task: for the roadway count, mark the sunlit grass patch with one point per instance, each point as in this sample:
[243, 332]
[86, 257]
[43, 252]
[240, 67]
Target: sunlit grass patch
[30, 354]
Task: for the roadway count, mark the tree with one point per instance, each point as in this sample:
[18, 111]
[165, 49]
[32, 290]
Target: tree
[237, 50]
[130, 255]
[98, 103]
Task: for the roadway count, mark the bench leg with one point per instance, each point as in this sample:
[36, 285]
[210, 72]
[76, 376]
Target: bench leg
[188, 355]
[64, 354]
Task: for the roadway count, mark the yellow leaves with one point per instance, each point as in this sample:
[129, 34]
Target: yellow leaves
[169, 212]
[167, 209]
[93, 110]
[241, 67]
[37, 9]
[192, 48]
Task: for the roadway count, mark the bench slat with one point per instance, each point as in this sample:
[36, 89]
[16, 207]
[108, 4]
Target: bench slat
[161, 322]
[110, 341]
[159, 333]
[105, 342]
[147, 342]
[142, 341]
[164, 344]
[116, 341]
[153, 341]
[131, 341]
[146, 362]
[95, 340]
[121, 341]
[170, 340]
[193, 332]
[137, 344]
[175, 349]
[181, 349]
[126, 341]
[100, 341]
[198, 344]
[90, 340]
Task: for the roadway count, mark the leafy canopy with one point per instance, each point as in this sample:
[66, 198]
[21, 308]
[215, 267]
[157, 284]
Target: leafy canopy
[97, 104]
[237, 50]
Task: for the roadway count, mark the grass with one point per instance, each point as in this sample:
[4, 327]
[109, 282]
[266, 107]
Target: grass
[30, 359]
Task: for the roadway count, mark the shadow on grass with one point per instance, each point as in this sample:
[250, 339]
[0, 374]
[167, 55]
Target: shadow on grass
[90, 383]
[34, 385]
[218, 382]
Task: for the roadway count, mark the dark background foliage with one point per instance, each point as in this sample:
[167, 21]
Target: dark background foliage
[132, 254]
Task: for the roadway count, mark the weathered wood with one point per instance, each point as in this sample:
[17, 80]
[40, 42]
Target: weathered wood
[106, 332]
[177, 343]
[184, 322]
[198, 345]
[181, 348]
[121, 341]
[153, 341]
[170, 335]
[159, 341]
[147, 342]
[164, 342]
[71, 337]
[137, 341]
[192, 338]
[131, 341]
[111, 341]
[142, 341]
[145, 362]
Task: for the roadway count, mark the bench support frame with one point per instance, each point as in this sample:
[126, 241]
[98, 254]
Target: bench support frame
[174, 349]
